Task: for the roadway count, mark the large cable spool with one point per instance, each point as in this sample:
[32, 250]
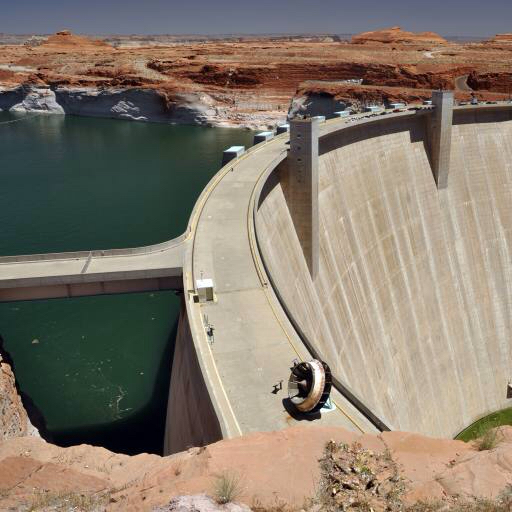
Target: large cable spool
[309, 385]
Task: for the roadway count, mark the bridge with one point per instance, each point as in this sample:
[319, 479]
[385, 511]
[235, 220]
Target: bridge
[74, 274]
[233, 353]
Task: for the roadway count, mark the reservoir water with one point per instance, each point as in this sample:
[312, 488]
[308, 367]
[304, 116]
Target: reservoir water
[98, 368]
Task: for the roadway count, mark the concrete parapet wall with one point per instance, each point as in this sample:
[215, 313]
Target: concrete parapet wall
[72, 274]
[97, 253]
[411, 306]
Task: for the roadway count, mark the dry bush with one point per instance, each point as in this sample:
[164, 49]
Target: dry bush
[278, 506]
[67, 501]
[227, 488]
[353, 478]
[488, 437]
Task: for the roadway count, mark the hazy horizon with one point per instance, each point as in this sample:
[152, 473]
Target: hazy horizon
[219, 35]
[265, 17]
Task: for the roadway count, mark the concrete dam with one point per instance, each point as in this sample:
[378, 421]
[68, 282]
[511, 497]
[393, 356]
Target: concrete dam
[411, 304]
[380, 245]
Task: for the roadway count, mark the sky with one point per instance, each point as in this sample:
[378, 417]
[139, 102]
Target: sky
[447, 17]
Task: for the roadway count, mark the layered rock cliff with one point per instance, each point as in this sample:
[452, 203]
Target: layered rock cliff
[65, 38]
[235, 82]
[502, 41]
[397, 35]
[14, 420]
[135, 104]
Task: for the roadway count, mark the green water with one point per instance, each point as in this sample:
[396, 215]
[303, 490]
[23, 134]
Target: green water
[98, 368]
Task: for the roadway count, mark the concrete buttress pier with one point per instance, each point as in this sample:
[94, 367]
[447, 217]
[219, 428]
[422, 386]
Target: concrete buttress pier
[303, 187]
[441, 136]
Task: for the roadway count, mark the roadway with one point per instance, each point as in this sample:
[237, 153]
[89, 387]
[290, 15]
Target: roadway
[254, 343]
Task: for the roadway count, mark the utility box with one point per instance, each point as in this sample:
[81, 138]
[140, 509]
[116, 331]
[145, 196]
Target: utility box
[205, 290]
[232, 153]
[263, 137]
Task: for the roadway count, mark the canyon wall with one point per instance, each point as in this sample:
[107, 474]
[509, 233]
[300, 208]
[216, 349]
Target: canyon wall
[14, 421]
[135, 104]
[411, 306]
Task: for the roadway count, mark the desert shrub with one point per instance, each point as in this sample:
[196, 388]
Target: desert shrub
[354, 478]
[228, 487]
[66, 501]
[488, 437]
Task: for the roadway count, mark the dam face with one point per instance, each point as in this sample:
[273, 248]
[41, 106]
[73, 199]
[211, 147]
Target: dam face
[411, 306]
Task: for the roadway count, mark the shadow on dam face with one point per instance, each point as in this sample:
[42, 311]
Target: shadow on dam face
[411, 305]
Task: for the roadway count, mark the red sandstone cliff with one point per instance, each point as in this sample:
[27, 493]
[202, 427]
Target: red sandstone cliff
[14, 421]
[502, 38]
[250, 82]
[398, 36]
[65, 38]
[272, 467]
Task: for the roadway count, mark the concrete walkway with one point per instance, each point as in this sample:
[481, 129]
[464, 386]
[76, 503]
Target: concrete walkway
[254, 345]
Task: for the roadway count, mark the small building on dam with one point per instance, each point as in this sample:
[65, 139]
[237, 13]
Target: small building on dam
[381, 245]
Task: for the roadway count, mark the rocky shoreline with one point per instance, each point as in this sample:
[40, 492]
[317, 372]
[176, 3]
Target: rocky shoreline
[132, 104]
[14, 420]
[252, 83]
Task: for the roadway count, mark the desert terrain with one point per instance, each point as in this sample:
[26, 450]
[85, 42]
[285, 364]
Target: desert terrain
[301, 468]
[250, 82]
[246, 81]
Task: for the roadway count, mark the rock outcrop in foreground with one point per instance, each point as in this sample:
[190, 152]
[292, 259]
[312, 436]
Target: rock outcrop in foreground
[267, 469]
[397, 35]
[271, 467]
